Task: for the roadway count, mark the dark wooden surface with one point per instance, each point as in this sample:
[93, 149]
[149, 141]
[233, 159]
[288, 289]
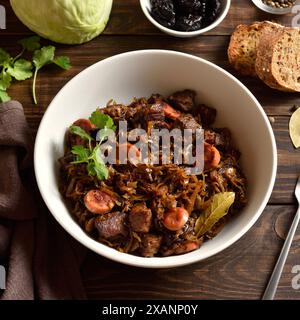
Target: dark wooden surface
[242, 270]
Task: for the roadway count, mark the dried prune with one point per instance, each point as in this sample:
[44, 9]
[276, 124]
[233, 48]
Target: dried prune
[185, 15]
[212, 10]
[189, 23]
[163, 11]
[188, 6]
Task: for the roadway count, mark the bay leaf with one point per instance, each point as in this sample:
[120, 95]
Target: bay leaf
[218, 208]
[295, 128]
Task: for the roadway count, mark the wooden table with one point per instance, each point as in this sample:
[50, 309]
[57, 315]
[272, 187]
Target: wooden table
[241, 271]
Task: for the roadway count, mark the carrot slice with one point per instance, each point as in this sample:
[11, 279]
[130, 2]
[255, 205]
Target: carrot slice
[170, 112]
[212, 156]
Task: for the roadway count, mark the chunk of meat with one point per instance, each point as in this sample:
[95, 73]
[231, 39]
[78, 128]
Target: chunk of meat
[111, 225]
[150, 245]
[212, 156]
[218, 179]
[210, 136]
[98, 202]
[139, 104]
[160, 109]
[183, 100]
[175, 219]
[237, 181]
[155, 97]
[116, 111]
[187, 121]
[121, 112]
[134, 113]
[224, 141]
[160, 125]
[221, 138]
[181, 247]
[140, 218]
[155, 112]
[207, 114]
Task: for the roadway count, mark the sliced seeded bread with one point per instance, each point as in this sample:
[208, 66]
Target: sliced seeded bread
[278, 59]
[243, 45]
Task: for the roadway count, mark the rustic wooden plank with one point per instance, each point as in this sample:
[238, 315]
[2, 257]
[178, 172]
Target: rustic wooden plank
[288, 163]
[240, 272]
[128, 18]
[212, 48]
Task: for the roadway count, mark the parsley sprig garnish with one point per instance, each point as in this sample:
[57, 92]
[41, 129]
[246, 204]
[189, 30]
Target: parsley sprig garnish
[91, 156]
[21, 69]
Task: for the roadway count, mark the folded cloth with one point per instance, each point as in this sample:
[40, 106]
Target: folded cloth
[42, 261]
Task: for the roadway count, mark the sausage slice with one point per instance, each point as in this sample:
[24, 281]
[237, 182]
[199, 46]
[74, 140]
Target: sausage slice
[98, 202]
[175, 219]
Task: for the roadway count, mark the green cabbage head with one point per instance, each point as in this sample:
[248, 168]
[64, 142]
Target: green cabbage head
[64, 21]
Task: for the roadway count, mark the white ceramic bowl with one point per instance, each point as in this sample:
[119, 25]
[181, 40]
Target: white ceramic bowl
[146, 6]
[273, 10]
[138, 74]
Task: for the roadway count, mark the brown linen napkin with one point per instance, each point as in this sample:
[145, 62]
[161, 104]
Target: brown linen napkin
[41, 259]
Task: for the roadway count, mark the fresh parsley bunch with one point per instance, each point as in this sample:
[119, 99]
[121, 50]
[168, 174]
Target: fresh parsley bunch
[92, 155]
[21, 69]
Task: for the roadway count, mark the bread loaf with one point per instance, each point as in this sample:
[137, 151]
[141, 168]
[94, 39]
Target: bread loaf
[278, 59]
[242, 49]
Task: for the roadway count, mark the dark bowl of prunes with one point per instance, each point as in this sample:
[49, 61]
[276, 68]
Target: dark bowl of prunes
[185, 18]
